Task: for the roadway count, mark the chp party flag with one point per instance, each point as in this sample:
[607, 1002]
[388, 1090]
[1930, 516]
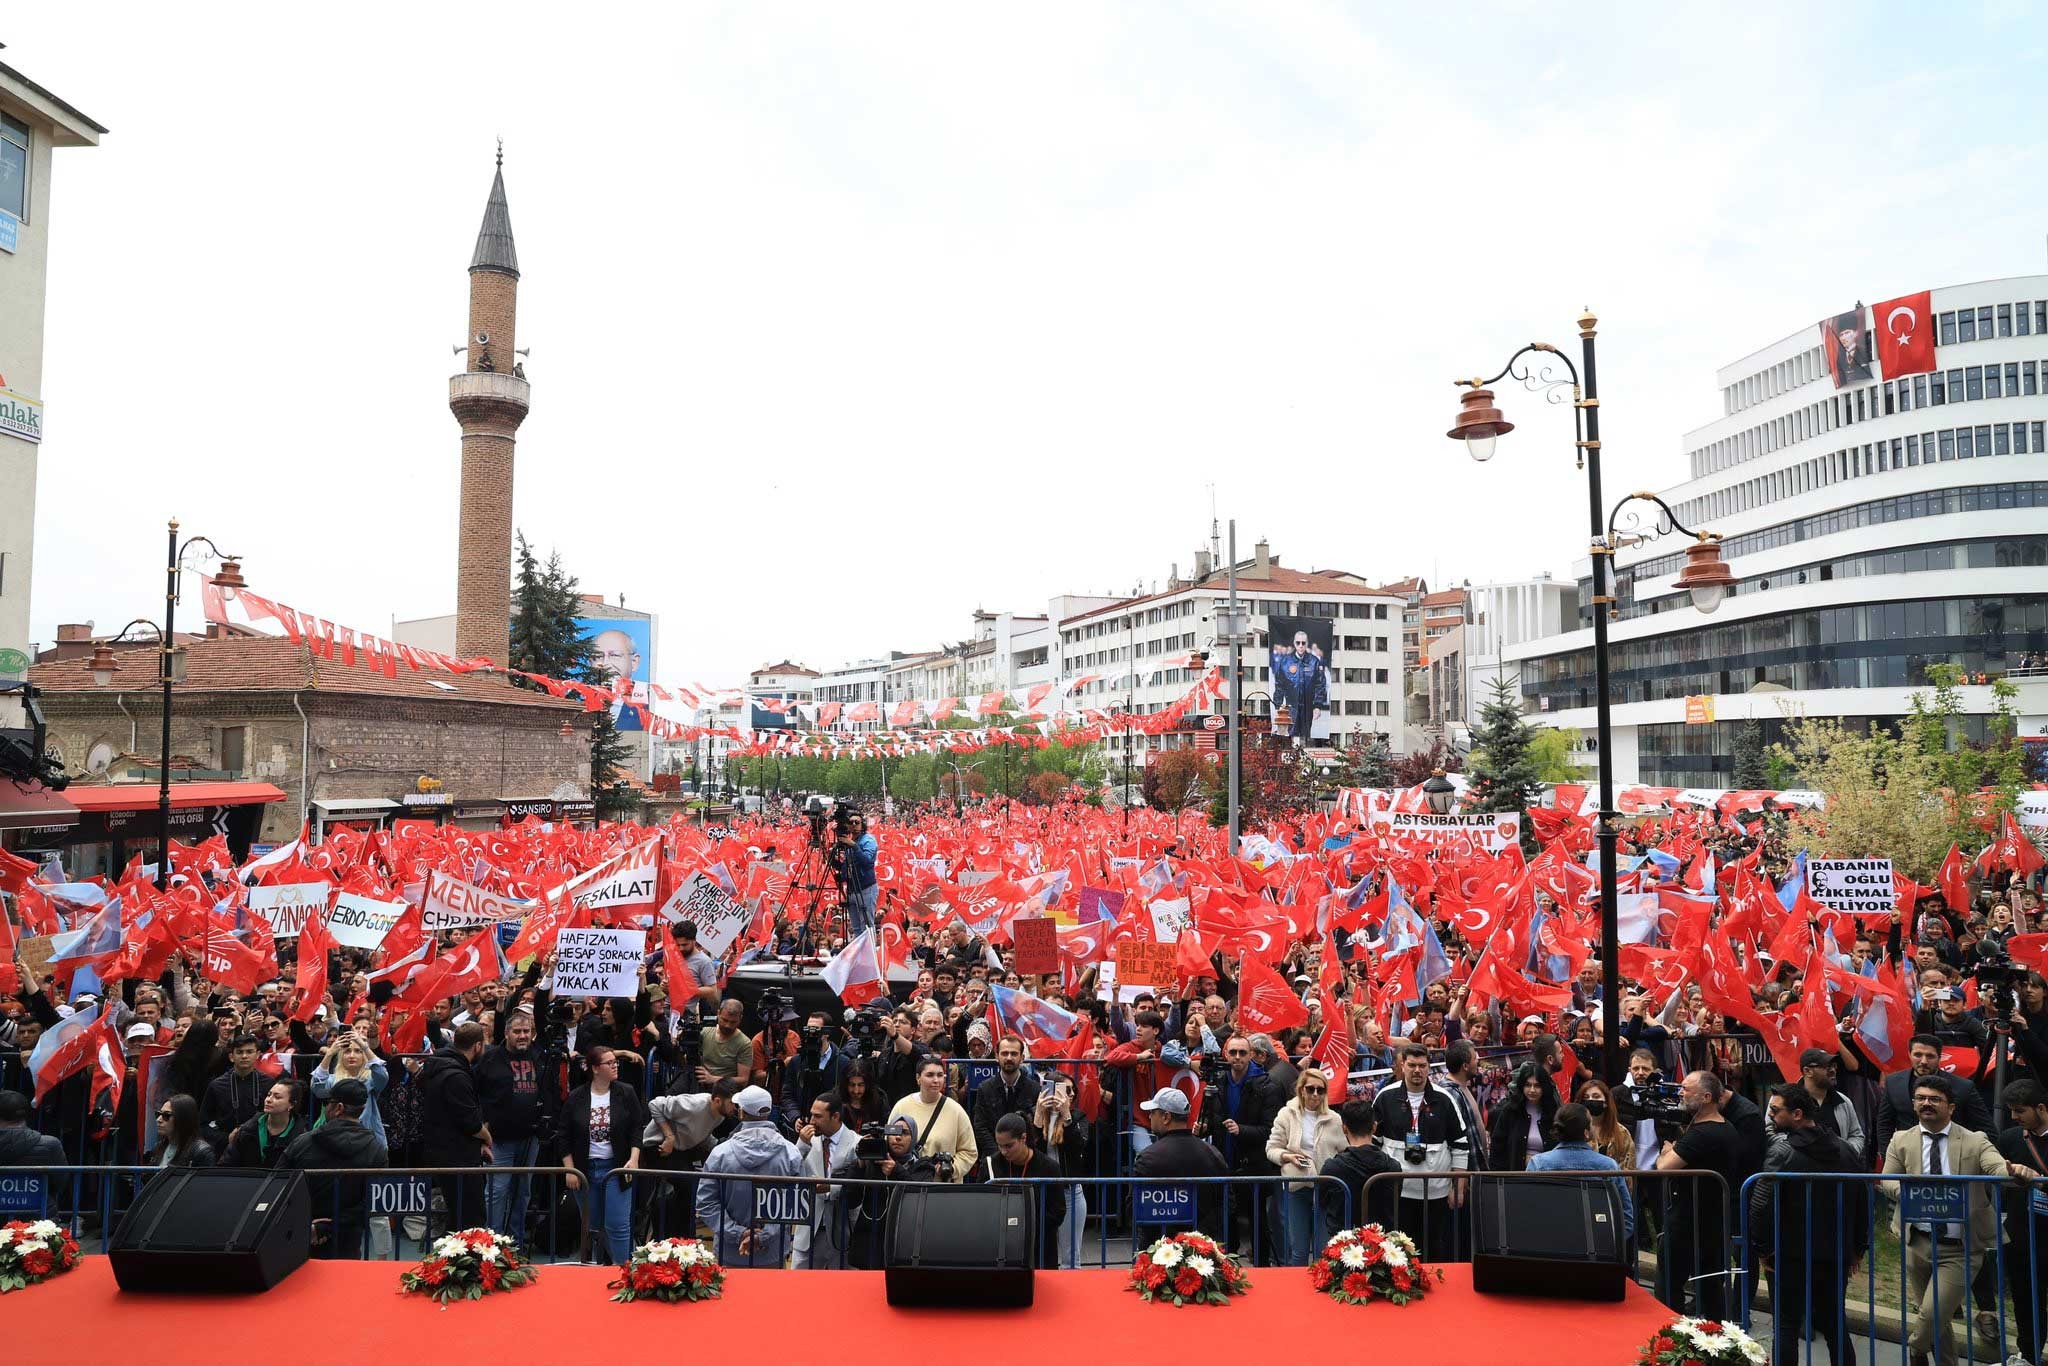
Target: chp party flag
[1905, 335]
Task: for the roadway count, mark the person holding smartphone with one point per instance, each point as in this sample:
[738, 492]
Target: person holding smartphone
[1061, 1133]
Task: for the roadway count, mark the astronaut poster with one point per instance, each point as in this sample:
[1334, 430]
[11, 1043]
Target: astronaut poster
[1303, 650]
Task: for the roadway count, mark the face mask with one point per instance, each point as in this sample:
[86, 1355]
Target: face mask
[1595, 1105]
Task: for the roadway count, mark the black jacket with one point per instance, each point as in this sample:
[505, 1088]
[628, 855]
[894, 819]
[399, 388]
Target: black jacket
[520, 1095]
[1354, 1167]
[248, 1148]
[21, 1146]
[1441, 1122]
[1050, 1201]
[1827, 1221]
[629, 1122]
[1258, 1101]
[338, 1143]
[1507, 1141]
[451, 1120]
[1181, 1154]
[231, 1100]
[1895, 1111]
[995, 1098]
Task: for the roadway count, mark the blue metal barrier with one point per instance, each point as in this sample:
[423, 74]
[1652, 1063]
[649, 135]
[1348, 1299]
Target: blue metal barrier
[1940, 1225]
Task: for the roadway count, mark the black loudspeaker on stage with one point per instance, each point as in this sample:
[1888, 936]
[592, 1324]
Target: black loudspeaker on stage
[1559, 1239]
[206, 1230]
[960, 1245]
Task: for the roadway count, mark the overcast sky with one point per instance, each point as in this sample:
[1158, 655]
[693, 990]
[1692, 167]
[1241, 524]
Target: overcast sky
[848, 319]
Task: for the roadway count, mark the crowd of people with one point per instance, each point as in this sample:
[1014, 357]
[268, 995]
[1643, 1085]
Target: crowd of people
[665, 1108]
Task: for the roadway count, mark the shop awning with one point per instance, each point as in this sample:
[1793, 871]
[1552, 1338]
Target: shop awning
[353, 806]
[143, 796]
[28, 805]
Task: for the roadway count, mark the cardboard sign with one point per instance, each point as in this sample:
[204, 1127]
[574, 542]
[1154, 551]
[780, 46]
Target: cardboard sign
[598, 962]
[794, 1204]
[1038, 944]
[361, 922]
[1164, 1205]
[719, 917]
[451, 904]
[35, 951]
[1145, 964]
[1492, 831]
[1853, 886]
[289, 905]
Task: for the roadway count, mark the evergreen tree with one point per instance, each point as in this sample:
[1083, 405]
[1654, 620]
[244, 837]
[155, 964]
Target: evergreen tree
[1750, 773]
[545, 638]
[1503, 772]
[1367, 763]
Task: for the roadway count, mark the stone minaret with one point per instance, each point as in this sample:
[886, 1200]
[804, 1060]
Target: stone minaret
[489, 399]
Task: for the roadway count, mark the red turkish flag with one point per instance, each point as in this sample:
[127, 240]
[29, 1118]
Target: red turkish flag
[1905, 335]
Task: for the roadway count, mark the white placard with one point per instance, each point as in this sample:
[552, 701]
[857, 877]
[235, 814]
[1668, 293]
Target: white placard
[288, 905]
[451, 904]
[718, 917]
[361, 922]
[1491, 830]
[598, 962]
[1853, 886]
[631, 887]
[1170, 918]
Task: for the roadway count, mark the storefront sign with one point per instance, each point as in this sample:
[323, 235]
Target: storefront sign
[20, 415]
[1699, 710]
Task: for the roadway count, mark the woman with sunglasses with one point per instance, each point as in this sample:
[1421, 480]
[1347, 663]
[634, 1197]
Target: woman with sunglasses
[1305, 1135]
[177, 1131]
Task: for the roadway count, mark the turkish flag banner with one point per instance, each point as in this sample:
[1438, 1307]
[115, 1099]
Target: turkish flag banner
[1905, 335]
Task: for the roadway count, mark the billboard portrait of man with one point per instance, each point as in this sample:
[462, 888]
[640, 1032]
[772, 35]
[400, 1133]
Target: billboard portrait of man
[1302, 647]
[620, 646]
[1845, 340]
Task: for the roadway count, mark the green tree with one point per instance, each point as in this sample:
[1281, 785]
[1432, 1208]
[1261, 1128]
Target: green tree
[1750, 771]
[1996, 767]
[1504, 775]
[1550, 750]
[545, 638]
[1367, 763]
[1884, 794]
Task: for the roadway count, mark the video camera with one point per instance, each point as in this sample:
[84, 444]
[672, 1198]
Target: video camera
[874, 1143]
[1658, 1101]
[1998, 982]
[864, 1027]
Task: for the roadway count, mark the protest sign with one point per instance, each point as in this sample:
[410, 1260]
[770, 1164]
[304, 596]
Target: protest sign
[288, 905]
[719, 918]
[598, 962]
[1492, 831]
[361, 922]
[1852, 886]
[1170, 918]
[451, 904]
[1139, 963]
[1038, 944]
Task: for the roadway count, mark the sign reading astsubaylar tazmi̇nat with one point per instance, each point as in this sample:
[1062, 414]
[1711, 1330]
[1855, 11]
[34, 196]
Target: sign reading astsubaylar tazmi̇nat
[598, 962]
[1853, 886]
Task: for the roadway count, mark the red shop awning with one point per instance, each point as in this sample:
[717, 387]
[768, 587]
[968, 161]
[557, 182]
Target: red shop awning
[143, 796]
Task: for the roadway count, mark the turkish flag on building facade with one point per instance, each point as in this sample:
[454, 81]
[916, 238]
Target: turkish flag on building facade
[1905, 335]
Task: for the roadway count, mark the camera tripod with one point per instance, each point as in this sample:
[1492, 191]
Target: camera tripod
[810, 881]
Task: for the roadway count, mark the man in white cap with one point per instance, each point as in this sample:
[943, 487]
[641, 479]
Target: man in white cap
[726, 1204]
[1176, 1152]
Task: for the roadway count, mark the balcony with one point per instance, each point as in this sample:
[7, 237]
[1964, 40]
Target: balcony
[489, 400]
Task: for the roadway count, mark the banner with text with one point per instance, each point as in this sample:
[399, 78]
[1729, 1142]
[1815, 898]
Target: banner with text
[1852, 886]
[451, 904]
[1492, 831]
[288, 905]
[599, 962]
[361, 922]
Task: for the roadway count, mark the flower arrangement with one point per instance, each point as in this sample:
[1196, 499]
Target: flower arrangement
[33, 1252]
[670, 1270]
[468, 1266]
[1187, 1269]
[1701, 1342]
[1360, 1265]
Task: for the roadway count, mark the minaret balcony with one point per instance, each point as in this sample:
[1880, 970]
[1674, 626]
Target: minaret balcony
[489, 399]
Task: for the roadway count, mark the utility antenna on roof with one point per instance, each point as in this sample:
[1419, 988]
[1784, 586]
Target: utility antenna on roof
[501, 154]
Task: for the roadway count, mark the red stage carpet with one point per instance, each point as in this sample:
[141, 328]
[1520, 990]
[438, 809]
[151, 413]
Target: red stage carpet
[352, 1312]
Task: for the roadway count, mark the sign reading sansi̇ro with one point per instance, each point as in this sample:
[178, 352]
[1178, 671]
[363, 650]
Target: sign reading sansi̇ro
[1853, 886]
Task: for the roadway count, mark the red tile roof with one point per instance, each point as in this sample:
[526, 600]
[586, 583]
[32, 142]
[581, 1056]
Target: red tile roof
[274, 664]
[1444, 598]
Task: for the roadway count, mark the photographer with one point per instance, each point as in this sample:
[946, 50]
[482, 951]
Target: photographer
[815, 1069]
[897, 1056]
[945, 1133]
[887, 1155]
[1696, 1230]
[1946, 1016]
[853, 858]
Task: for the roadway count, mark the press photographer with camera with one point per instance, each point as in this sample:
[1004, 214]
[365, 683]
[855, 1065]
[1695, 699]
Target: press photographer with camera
[816, 1068]
[853, 859]
[884, 1152]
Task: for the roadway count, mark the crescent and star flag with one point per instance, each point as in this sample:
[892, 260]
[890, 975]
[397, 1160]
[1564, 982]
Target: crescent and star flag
[1031, 1019]
[1905, 335]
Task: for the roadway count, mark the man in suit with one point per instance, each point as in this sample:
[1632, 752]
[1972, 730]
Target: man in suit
[2025, 1148]
[1896, 1111]
[1938, 1269]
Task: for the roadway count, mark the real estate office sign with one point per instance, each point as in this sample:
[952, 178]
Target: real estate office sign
[20, 415]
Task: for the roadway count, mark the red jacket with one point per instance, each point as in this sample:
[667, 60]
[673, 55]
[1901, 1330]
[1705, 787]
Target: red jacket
[1144, 1075]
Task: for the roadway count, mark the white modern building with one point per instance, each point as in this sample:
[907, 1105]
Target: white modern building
[1125, 646]
[1875, 528]
[33, 124]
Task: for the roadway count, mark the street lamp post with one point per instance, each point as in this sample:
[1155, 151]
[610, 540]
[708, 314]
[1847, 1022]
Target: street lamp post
[1479, 425]
[230, 581]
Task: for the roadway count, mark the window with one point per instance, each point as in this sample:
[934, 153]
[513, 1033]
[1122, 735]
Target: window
[1965, 443]
[234, 744]
[1937, 384]
[2021, 318]
[14, 167]
[1380, 675]
[2027, 377]
[1973, 379]
[2005, 320]
[1379, 709]
[1966, 325]
[1948, 329]
[1992, 388]
[1948, 444]
[2012, 379]
[1984, 323]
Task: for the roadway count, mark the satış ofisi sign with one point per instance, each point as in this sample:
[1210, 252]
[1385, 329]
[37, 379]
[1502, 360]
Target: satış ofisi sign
[20, 415]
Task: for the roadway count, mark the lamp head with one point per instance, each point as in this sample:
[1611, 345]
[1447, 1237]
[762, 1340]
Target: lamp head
[1479, 423]
[1706, 575]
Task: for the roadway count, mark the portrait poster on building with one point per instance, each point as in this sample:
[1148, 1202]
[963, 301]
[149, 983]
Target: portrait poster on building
[1845, 341]
[624, 648]
[1304, 650]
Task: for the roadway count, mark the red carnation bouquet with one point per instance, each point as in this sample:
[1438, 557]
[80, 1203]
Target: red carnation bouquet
[32, 1251]
[1360, 1265]
[468, 1266]
[1187, 1269]
[670, 1270]
[1701, 1342]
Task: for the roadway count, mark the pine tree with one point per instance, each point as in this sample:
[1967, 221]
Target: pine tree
[1750, 773]
[545, 638]
[1503, 772]
[1367, 763]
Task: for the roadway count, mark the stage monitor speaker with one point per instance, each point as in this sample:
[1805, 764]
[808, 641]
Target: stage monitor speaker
[960, 1245]
[1561, 1239]
[205, 1230]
